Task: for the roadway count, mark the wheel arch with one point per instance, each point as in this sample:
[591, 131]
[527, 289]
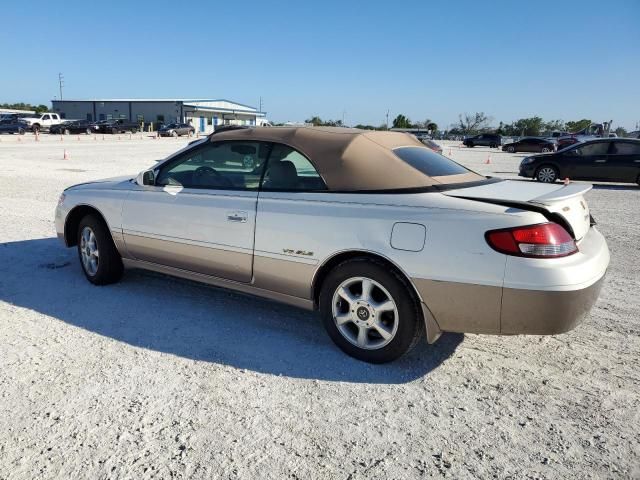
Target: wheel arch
[337, 258]
[431, 326]
[75, 215]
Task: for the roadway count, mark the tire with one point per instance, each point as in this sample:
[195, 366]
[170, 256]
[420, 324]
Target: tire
[21, 131]
[114, 131]
[511, 149]
[134, 131]
[545, 150]
[35, 128]
[66, 131]
[401, 321]
[470, 145]
[547, 174]
[493, 145]
[174, 134]
[88, 131]
[105, 265]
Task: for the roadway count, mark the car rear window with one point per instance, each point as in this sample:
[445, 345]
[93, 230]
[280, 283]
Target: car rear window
[429, 162]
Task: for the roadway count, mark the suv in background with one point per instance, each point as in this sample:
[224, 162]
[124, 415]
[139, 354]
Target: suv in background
[115, 126]
[483, 140]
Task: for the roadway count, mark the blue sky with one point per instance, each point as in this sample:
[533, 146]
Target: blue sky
[559, 60]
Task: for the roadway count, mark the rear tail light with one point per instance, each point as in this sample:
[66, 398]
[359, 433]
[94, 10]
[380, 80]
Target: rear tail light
[545, 240]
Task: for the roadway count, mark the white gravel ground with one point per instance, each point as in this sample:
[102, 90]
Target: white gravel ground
[161, 378]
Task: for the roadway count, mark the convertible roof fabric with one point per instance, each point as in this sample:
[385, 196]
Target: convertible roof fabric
[349, 159]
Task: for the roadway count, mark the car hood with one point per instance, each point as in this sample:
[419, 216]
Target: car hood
[114, 183]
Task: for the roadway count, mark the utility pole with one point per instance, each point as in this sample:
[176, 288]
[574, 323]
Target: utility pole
[60, 83]
[344, 112]
[387, 119]
[260, 105]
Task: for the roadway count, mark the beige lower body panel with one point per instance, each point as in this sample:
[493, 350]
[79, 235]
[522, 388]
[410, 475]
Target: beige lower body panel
[466, 308]
[221, 282]
[283, 276]
[539, 312]
[194, 258]
[462, 307]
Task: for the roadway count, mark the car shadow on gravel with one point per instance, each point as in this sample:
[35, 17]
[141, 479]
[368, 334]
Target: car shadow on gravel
[194, 321]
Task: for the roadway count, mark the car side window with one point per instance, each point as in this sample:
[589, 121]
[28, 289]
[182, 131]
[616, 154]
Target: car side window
[289, 170]
[598, 148]
[234, 165]
[624, 148]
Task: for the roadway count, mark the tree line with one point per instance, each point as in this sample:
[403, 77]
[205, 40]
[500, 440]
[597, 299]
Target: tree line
[25, 106]
[478, 122]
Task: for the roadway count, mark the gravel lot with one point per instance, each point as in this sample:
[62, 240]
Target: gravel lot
[162, 378]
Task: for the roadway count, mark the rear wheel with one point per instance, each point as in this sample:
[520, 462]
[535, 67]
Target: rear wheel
[174, 134]
[546, 174]
[66, 131]
[100, 260]
[369, 312]
[88, 131]
[545, 150]
[511, 149]
[470, 145]
[114, 131]
[20, 131]
[493, 145]
[35, 128]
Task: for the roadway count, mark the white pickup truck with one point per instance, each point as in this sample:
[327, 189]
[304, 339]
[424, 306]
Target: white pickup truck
[42, 121]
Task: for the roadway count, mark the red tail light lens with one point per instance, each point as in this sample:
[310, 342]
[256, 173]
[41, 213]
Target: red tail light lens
[546, 240]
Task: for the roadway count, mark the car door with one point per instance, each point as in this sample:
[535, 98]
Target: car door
[200, 214]
[590, 161]
[287, 246]
[623, 161]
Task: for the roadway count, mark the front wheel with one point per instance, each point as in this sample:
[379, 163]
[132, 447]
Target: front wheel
[20, 131]
[114, 131]
[35, 129]
[545, 150]
[369, 312]
[100, 260]
[546, 174]
[88, 131]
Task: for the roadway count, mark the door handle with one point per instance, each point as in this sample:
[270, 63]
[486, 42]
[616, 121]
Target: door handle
[238, 216]
[601, 160]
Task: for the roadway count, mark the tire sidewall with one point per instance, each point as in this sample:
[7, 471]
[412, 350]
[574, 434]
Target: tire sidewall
[109, 262]
[410, 316]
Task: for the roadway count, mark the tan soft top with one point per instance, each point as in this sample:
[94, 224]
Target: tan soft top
[349, 159]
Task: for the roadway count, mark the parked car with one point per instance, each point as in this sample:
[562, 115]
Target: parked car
[176, 130]
[73, 127]
[564, 142]
[483, 140]
[433, 146]
[388, 239]
[12, 126]
[115, 126]
[609, 160]
[43, 121]
[530, 144]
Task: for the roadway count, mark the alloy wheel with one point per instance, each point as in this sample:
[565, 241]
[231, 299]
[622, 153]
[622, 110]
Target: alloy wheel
[89, 251]
[365, 313]
[547, 175]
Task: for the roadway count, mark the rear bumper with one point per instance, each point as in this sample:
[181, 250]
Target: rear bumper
[538, 296]
[541, 312]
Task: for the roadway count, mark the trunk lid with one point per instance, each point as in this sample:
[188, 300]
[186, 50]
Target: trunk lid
[566, 201]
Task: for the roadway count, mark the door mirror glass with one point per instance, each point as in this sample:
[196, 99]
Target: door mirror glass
[146, 177]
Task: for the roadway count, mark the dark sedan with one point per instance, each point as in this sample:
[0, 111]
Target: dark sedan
[608, 160]
[530, 144]
[176, 130]
[11, 126]
[72, 127]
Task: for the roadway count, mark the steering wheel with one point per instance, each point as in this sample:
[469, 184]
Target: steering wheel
[201, 173]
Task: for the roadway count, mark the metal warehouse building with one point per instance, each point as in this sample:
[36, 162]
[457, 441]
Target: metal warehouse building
[204, 115]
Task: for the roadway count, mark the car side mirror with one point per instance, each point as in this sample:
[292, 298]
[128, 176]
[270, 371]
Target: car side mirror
[146, 177]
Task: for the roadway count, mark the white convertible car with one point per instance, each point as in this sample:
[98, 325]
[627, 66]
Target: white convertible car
[388, 239]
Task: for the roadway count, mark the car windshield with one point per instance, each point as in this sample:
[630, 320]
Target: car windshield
[171, 125]
[429, 162]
